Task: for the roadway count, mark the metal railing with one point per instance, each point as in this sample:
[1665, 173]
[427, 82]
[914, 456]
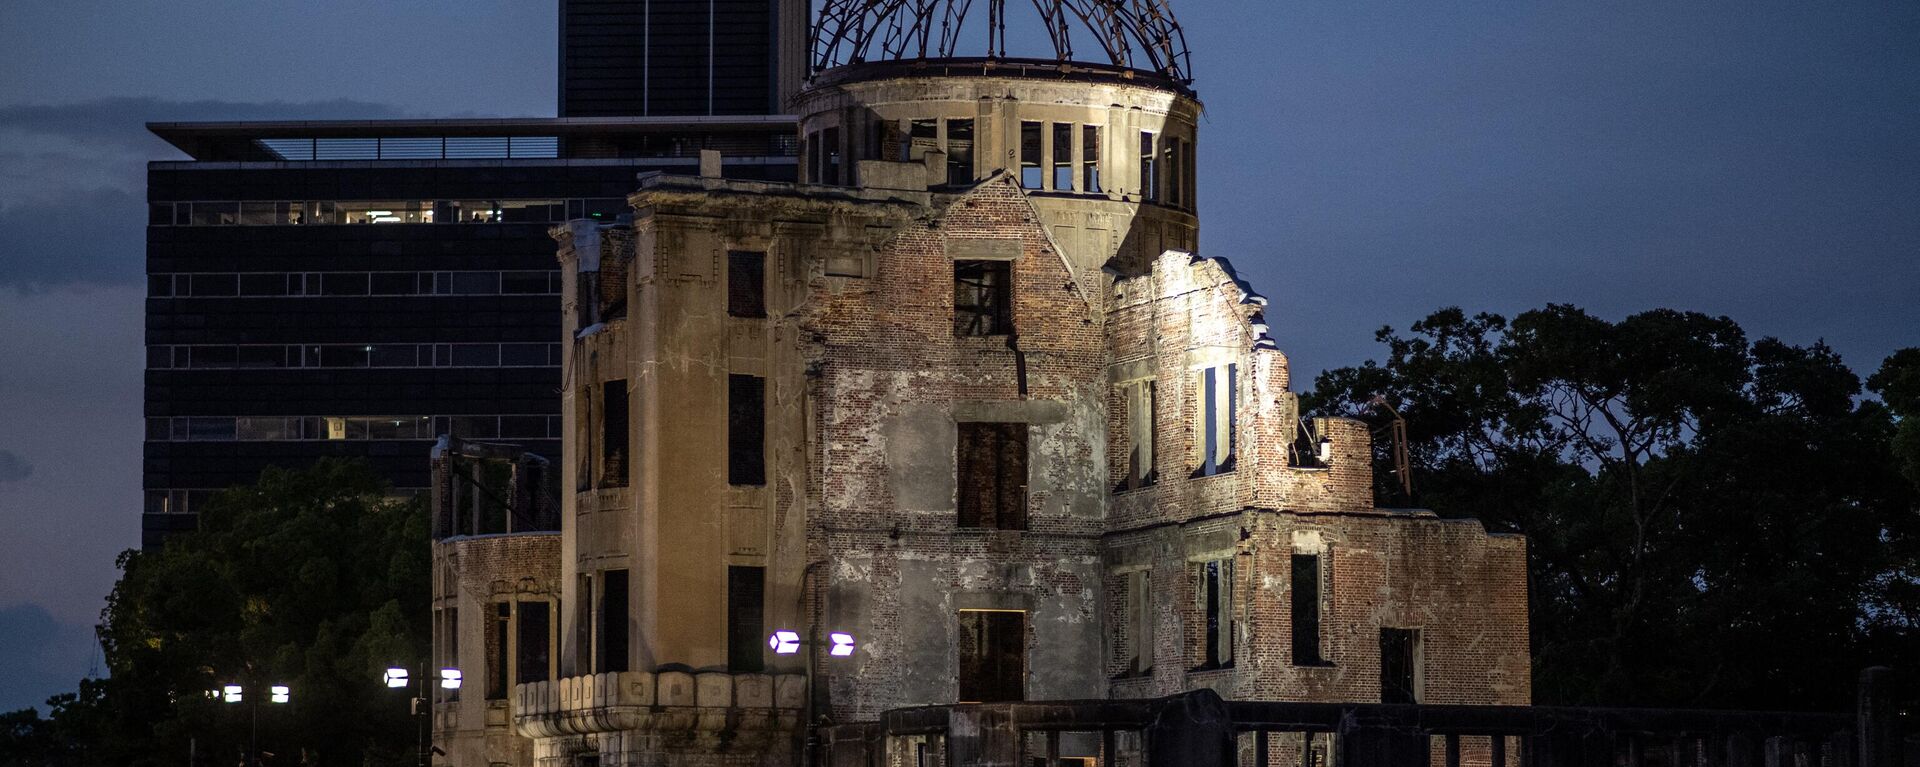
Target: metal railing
[1199, 729]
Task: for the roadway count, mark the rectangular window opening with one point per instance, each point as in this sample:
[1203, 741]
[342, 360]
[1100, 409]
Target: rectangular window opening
[992, 656]
[982, 298]
[1142, 431]
[746, 624]
[1031, 174]
[992, 475]
[746, 284]
[1399, 665]
[613, 434]
[1149, 174]
[1215, 593]
[1219, 405]
[613, 622]
[535, 642]
[1090, 159]
[746, 430]
[1063, 157]
[1306, 610]
[959, 152]
[1139, 623]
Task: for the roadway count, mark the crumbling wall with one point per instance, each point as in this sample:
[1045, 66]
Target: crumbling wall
[894, 382]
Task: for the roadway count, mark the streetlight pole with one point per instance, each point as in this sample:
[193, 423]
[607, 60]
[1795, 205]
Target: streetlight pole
[787, 642]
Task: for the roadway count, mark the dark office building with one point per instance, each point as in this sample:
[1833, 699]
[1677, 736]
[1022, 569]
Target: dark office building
[651, 57]
[358, 288]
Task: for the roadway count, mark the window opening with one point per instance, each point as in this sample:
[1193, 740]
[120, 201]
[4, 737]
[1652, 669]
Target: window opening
[922, 136]
[746, 624]
[536, 637]
[993, 475]
[746, 430]
[1142, 431]
[613, 434]
[613, 622]
[959, 152]
[1030, 173]
[992, 656]
[1399, 665]
[1063, 157]
[1218, 406]
[831, 139]
[746, 284]
[982, 298]
[1149, 175]
[1216, 602]
[1139, 622]
[1306, 610]
[1090, 158]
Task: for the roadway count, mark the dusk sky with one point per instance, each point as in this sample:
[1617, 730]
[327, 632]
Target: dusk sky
[1362, 163]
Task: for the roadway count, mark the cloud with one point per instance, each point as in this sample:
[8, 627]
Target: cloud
[72, 180]
[13, 468]
[122, 121]
[95, 236]
[43, 656]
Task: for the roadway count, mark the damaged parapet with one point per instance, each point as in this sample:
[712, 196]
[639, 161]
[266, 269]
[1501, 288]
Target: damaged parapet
[482, 488]
[496, 593]
[603, 254]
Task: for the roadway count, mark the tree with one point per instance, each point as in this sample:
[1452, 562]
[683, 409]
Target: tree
[1708, 518]
[316, 579]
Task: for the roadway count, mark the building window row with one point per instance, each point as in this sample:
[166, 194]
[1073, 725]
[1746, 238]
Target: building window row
[1214, 622]
[309, 212]
[347, 284]
[285, 356]
[1216, 397]
[227, 428]
[1060, 157]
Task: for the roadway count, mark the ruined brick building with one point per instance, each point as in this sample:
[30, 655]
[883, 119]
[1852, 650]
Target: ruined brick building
[969, 392]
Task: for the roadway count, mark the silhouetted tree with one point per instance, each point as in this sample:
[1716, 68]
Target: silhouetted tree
[1711, 521]
[316, 579]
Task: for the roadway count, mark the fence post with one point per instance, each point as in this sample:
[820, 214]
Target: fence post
[1879, 746]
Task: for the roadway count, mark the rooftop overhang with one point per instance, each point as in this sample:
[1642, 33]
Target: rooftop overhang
[241, 140]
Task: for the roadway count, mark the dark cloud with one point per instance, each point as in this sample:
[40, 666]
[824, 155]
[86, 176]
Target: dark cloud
[60, 233]
[13, 468]
[96, 236]
[43, 656]
[121, 122]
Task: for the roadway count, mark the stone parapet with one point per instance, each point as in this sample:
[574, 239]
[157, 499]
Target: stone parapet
[691, 703]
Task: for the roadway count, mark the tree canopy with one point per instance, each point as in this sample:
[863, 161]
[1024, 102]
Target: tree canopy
[1711, 521]
[316, 579]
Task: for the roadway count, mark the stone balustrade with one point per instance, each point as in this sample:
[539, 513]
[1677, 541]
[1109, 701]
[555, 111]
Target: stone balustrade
[662, 702]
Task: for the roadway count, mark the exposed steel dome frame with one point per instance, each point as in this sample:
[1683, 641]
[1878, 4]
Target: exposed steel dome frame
[1131, 34]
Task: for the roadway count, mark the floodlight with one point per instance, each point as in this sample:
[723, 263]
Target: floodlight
[784, 642]
[396, 677]
[213, 695]
[842, 644]
[281, 693]
[450, 678]
[231, 693]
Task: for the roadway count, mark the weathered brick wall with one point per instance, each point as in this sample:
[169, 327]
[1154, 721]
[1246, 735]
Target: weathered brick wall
[894, 381]
[470, 575]
[1464, 590]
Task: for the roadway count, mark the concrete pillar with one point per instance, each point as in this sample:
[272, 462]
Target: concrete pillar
[1879, 743]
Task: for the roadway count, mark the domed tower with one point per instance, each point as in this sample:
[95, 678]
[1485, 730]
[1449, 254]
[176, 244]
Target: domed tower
[1098, 121]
